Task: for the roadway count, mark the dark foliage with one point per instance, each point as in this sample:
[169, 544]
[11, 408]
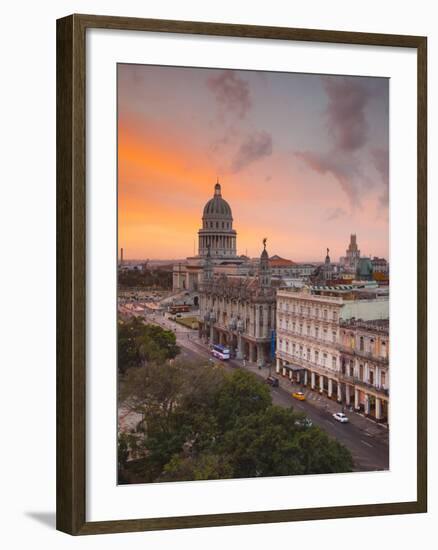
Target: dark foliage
[203, 423]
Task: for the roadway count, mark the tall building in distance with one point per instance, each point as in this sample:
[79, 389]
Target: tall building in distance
[352, 255]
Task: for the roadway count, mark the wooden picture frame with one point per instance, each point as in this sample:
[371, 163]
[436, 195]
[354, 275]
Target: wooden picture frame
[71, 273]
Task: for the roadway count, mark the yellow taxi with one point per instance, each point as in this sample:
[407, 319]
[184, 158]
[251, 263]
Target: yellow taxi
[299, 395]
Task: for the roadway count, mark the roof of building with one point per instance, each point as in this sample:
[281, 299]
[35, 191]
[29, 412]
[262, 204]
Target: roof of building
[277, 261]
[217, 206]
[373, 325]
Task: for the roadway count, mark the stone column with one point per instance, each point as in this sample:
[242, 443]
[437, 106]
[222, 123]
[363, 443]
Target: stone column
[367, 404]
[277, 365]
[347, 395]
[321, 383]
[378, 409]
[257, 321]
[305, 377]
[339, 392]
[284, 371]
[299, 377]
[260, 355]
[312, 380]
[330, 387]
[265, 321]
[239, 354]
[356, 399]
[252, 350]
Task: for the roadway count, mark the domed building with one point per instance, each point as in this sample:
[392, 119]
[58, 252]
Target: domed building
[217, 228]
[218, 236]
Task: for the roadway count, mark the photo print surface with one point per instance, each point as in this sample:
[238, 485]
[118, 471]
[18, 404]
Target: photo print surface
[253, 274]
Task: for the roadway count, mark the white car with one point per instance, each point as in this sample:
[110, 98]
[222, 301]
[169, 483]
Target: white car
[340, 417]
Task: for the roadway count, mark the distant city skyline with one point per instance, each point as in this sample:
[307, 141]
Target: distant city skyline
[302, 160]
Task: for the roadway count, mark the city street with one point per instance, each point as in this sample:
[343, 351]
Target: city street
[366, 440]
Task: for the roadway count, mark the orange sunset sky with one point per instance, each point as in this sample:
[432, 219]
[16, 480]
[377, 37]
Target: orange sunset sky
[302, 160]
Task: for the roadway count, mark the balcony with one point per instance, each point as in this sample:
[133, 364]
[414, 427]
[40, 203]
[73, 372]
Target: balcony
[364, 354]
[305, 364]
[366, 385]
[319, 341]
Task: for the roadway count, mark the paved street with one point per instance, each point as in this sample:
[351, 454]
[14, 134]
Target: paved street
[366, 440]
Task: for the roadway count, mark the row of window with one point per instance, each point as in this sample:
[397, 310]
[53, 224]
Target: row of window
[369, 345]
[308, 330]
[308, 354]
[369, 376]
[316, 311]
[212, 225]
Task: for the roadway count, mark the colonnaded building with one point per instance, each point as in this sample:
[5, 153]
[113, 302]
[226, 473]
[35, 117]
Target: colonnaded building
[218, 236]
[335, 339]
[236, 295]
[239, 312]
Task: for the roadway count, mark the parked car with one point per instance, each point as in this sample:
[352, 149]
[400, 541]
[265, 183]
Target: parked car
[272, 381]
[299, 395]
[340, 417]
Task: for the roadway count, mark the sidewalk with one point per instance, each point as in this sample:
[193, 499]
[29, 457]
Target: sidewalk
[313, 397]
[320, 401]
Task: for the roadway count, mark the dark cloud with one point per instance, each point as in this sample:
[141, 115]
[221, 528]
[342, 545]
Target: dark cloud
[347, 99]
[232, 93]
[253, 148]
[381, 162]
[343, 168]
[335, 214]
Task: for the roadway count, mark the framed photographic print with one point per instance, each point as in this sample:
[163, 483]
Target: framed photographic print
[241, 274]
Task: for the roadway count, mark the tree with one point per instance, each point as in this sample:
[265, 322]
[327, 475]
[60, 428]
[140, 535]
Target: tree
[271, 443]
[139, 343]
[240, 395]
[203, 423]
[189, 468]
[147, 278]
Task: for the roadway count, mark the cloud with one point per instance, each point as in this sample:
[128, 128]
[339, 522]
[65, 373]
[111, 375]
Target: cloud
[335, 213]
[255, 147]
[342, 167]
[347, 99]
[380, 158]
[232, 93]
[347, 124]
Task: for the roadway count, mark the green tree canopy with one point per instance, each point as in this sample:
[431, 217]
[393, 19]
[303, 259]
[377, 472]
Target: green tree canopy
[203, 423]
[139, 343]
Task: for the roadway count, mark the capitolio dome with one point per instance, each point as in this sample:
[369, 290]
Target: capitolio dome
[217, 207]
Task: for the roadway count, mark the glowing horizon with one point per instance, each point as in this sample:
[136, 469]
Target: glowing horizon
[302, 160]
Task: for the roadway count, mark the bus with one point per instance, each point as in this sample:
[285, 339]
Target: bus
[183, 308]
[221, 352]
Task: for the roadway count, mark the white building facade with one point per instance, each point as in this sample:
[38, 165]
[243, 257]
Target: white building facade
[310, 344]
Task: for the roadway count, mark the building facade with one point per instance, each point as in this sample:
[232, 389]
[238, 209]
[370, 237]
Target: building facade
[364, 347]
[352, 255]
[239, 312]
[310, 340]
[380, 265]
[219, 237]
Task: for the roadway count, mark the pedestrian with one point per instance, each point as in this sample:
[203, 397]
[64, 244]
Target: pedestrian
[244, 363]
